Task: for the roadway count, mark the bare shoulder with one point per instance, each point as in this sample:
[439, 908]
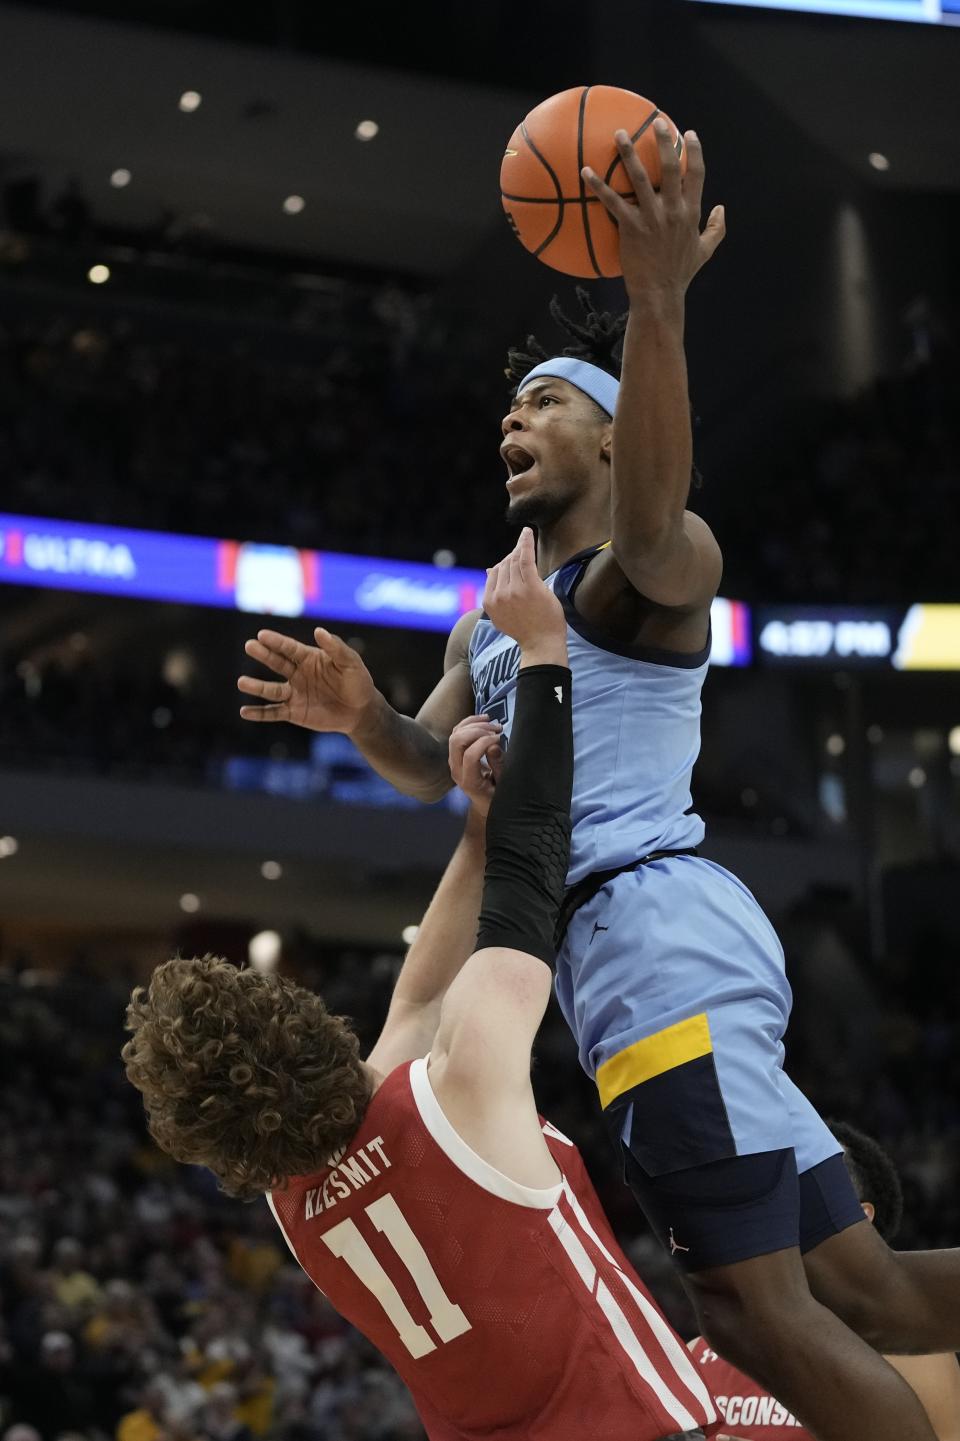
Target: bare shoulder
[702, 536]
[452, 697]
[499, 1124]
[668, 607]
[458, 641]
[480, 1061]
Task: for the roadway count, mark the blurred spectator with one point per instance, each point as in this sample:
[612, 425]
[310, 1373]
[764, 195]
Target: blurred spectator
[53, 1391]
[219, 1416]
[74, 1287]
[148, 1420]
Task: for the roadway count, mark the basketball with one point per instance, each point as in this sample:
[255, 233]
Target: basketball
[548, 205]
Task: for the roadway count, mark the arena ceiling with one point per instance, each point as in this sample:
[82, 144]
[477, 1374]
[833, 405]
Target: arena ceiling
[83, 95]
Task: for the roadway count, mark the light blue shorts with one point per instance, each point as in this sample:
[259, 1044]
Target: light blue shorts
[672, 980]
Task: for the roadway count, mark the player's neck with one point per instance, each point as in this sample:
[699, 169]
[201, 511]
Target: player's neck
[584, 523]
[558, 542]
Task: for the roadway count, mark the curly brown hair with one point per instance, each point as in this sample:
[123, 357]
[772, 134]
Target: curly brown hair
[247, 1074]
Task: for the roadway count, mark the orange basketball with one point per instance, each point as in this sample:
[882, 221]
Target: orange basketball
[552, 211]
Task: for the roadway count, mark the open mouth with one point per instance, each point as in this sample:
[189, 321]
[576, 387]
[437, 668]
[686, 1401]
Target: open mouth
[518, 460]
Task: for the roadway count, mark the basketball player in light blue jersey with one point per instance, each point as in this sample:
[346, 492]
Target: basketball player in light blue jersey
[668, 973]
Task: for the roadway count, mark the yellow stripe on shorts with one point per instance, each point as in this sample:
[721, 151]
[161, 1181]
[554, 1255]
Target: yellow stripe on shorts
[651, 1056]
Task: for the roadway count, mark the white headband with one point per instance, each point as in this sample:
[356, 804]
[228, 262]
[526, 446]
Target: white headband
[598, 384]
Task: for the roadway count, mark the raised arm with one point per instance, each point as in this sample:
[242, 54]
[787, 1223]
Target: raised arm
[327, 687]
[443, 943]
[666, 553]
[493, 1009]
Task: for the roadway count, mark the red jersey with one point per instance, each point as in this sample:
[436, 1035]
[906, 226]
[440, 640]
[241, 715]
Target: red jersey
[748, 1411]
[511, 1313]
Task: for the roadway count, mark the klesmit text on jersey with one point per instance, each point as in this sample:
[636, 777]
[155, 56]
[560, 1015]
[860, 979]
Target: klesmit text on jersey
[346, 1177]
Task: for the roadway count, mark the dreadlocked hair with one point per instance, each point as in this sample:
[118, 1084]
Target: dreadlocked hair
[245, 1073]
[874, 1177]
[598, 339]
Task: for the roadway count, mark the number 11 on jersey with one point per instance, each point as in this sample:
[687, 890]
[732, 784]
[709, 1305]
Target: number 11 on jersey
[346, 1241]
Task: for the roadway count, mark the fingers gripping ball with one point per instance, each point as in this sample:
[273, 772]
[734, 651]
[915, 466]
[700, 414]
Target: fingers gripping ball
[547, 202]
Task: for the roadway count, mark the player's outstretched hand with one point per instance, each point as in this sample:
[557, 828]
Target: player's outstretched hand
[661, 244]
[522, 606]
[476, 759]
[325, 687]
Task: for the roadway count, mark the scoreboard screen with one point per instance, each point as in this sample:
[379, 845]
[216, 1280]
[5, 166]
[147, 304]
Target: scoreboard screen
[927, 12]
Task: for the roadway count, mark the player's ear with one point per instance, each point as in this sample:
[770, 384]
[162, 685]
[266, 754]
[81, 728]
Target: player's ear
[606, 444]
[869, 1210]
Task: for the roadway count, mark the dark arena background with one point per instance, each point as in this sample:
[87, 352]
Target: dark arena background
[256, 291]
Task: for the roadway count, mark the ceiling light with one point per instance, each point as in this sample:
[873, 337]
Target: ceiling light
[953, 741]
[367, 130]
[917, 777]
[9, 846]
[264, 950]
[190, 101]
[836, 745]
[120, 178]
[98, 274]
[878, 160]
[189, 903]
[271, 870]
[409, 934]
[444, 559]
[293, 204]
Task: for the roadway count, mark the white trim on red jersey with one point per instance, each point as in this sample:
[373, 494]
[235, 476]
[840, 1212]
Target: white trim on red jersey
[674, 1349]
[466, 1160]
[620, 1327]
[549, 1129]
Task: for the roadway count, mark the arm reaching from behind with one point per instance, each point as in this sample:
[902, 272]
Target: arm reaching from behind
[528, 829]
[442, 945]
[520, 605]
[480, 1059]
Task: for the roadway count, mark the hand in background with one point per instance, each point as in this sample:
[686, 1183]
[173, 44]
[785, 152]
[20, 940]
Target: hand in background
[474, 741]
[325, 687]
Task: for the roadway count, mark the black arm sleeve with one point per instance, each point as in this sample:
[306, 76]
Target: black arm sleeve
[528, 828]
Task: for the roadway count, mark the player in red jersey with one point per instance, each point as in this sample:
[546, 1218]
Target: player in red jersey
[420, 1190]
[752, 1413]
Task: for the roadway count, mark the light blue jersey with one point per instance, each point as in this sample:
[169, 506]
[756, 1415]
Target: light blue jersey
[636, 734]
[670, 977]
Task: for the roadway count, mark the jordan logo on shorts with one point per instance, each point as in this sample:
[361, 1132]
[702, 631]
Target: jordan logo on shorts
[674, 1247]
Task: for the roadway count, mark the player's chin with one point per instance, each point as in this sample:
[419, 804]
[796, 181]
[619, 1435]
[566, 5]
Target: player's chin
[532, 507]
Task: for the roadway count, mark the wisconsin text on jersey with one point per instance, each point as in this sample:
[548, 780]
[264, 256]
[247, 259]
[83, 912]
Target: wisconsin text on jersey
[335, 1187]
[749, 1410]
[754, 1411]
